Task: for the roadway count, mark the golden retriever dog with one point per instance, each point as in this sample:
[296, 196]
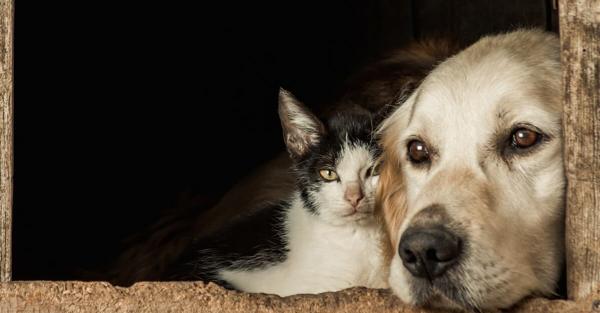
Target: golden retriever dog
[472, 187]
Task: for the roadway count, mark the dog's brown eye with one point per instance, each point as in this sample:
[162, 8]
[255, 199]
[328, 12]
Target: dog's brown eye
[417, 151]
[524, 138]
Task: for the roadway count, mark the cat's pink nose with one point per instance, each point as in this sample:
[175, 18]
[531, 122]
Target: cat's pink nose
[353, 194]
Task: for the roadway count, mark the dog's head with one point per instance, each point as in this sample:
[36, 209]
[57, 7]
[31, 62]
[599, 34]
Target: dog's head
[472, 186]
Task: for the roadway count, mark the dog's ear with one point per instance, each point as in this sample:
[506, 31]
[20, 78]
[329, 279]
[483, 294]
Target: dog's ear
[407, 88]
[391, 192]
[302, 130]
[391, 196]
[398, 119]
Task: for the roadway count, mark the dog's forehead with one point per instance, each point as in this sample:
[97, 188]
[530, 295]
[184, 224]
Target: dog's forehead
[465, 98]
[470, 89]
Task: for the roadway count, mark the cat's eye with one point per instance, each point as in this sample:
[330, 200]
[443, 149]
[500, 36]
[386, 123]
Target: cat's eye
[373, 170]
[524, 138]
[417, 151]
[328, 175]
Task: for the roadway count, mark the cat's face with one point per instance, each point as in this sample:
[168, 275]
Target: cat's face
[335, 164]
[339, 185]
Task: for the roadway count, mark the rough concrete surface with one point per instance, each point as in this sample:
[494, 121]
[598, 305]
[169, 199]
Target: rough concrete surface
[164, 297]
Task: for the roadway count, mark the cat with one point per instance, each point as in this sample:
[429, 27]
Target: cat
[378, 87]
[325, 236]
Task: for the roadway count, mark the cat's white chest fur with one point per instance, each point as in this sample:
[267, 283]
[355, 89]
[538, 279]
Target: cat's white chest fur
[321, 258]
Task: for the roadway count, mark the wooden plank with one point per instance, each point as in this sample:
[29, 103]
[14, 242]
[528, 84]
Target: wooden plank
[81, 297]
[580, 44]
[6, 135]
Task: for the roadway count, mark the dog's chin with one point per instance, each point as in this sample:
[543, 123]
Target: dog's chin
[444, 293]
[439, 293]
[423, 293]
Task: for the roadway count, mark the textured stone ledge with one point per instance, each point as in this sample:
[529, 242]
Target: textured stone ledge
[163, 297]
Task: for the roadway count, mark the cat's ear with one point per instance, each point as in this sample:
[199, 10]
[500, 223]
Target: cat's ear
[301, 129]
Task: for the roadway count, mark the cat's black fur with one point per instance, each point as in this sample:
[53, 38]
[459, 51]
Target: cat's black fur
[235, 246]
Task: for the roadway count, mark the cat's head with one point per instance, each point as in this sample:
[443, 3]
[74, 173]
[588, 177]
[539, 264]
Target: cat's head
[335, 162]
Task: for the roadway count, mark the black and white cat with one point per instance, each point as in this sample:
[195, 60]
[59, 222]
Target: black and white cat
[325, 236]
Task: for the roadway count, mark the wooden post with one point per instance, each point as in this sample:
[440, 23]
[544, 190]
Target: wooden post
[580, 43]
[6, 136]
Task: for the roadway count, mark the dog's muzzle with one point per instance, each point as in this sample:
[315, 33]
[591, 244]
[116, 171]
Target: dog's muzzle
[427, 247]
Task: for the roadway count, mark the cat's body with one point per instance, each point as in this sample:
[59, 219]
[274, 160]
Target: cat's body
[285, 250]
[322, 237]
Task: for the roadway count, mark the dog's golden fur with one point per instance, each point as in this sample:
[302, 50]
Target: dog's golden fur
[508, 204]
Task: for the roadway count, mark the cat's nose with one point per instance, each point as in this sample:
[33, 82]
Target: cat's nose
[353, 194]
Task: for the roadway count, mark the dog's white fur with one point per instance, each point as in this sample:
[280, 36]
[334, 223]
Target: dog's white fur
[509, 206]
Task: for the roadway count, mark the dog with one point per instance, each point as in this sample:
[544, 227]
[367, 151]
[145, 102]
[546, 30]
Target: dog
[472, 185]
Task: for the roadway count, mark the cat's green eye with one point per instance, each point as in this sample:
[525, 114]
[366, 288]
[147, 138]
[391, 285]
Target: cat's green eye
[374, 170]
[328, 175]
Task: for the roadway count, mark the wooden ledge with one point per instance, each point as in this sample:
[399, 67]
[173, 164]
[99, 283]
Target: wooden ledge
[163, 297]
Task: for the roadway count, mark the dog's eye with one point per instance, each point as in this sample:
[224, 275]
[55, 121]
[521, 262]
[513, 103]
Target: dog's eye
[417, 151]
[523, 138]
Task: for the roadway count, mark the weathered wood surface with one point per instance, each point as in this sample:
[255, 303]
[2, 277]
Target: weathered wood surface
[6, 135]
[580, 42]
[79, 297]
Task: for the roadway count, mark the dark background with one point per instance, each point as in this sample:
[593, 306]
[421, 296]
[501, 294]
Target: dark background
[121, 111]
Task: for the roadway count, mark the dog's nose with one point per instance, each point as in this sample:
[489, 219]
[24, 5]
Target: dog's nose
[429, 252]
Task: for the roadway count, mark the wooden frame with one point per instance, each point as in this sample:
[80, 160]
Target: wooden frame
[580, 42]
[580, 57]
[6, 135]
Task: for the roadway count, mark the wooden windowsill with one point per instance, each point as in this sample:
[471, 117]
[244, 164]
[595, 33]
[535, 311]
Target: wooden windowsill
[163, 297]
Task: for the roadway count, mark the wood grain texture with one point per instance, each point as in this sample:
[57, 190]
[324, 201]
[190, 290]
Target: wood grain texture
[6, 135]
[580, 43]
[79, 297]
